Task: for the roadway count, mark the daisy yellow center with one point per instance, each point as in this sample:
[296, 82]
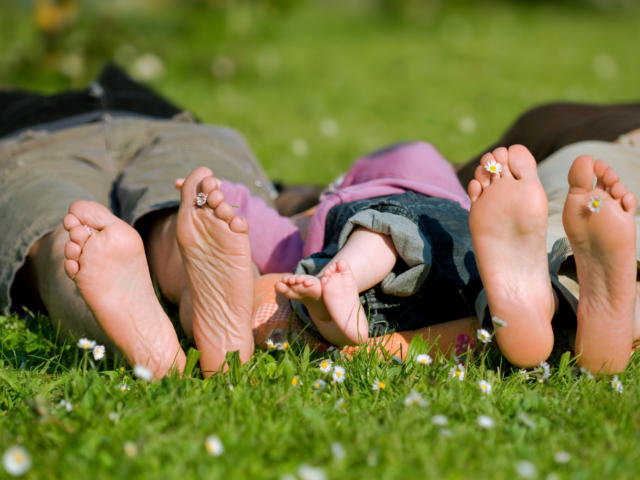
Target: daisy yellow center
[294, 381]
[381, 384]
[596, 203]
[493, 168]
[18, 457]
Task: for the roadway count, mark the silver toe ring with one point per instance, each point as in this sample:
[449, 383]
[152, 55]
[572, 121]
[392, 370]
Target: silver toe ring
[201, 199]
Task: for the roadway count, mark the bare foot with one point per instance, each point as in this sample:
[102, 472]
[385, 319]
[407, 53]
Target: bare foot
[604, 248]
[105, 257]
[333, 302]
[508, 222]
[214, 244]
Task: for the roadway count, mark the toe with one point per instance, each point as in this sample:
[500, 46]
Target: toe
[208, 185]
[501, 154]
[239, 225]
[342, 266]
[191, 186]
[79, 235]
[224, 211]
[72, 251]
[630, 203]
[71, 268]
[618, 190]
[610, 178]
[521, 162]
[215, 198]
[482, 176]
[92, 214]
[69, 221]
[581, 174]
[474, 189]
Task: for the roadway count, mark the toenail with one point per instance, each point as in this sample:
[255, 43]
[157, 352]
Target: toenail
[201, 199]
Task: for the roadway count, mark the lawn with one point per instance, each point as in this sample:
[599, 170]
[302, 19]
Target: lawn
[313, 85]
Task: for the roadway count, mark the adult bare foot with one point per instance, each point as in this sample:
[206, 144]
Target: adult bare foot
[508, 223]
[600, 225]
[105, 257]
[214, 244]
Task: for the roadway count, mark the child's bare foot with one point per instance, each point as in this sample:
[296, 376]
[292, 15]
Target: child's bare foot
[333, 302]
[105, 257]
[217, 257]
[341, 297]
[600, 225]
[508, 222]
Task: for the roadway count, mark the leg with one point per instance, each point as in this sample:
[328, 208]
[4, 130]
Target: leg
[217, 258]
[547, 128]
[105, 258]
[508, 222]
[333, 301]
[603, 243]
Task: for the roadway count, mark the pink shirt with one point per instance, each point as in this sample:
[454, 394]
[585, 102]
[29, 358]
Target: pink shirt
[276, 243]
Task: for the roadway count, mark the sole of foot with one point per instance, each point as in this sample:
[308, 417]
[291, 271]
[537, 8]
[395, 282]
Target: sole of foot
[599, 221]
[508, 223]
[215, 249]
[105, 257]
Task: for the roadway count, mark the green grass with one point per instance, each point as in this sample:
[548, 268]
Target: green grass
[381, 80]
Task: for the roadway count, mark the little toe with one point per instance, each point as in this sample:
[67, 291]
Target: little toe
[342, 266]
[521, 162]
[581, 174]
[630, 202]
[239, 225]
[474, 189]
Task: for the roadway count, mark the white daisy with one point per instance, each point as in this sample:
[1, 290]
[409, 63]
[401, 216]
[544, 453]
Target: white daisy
[296, 382]
[325, 365]
[546, 370]
[307, 472]
[439, 420]
[124, 387]
[282, 346]
[340, 405]
[338, 374]
[414, 398]
[319, 384]
[616, 384]
[483, 335]
[562, 457]
[130, 449]
[337, 450]
[16, 460]
[526, 469]
[98, 352]
[586, 372]
[485, 387]
[486, 422]
[270, 344]
[498, 323]
[595, 204]
[424, 359]
[86, 344]
[378, 385]
[143, 373]
[214, 446]
[493, 167]
[66, 405]
[457, 372]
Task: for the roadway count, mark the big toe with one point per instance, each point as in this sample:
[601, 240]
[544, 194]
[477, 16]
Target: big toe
[191, 186]
[581, 174]
[91, 214]
[521, 162]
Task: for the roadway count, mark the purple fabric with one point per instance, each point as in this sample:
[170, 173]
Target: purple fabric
[416, 166]
[276, 244]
